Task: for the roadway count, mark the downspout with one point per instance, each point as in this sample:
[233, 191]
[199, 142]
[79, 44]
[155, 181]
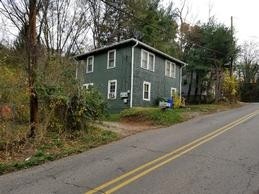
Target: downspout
[132, 74]
[180, 87]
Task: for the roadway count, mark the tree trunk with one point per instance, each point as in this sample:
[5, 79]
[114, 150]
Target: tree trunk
[218, 84]
[190, 87]
[32, 63]
[196, 87]
[208, 88]
[201, 99]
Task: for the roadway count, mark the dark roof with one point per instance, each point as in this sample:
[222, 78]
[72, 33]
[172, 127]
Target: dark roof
[132, 40]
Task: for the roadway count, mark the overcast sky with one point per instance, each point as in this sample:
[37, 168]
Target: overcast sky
[245, 15]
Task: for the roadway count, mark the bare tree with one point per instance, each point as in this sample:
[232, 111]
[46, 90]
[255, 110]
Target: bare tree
[97, 19]
[32, 63]
[60, 26]
[64, 25]
[23, 15]
[182, 12]
[249, 62]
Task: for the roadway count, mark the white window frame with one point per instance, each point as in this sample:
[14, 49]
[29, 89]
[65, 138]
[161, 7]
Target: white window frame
[87, 63]
[173, 89]
[166, 65]
[171, 66]
[86, 86]
[174, 67]
[142, 53]
[154, 62]
[108, 58]
[149, 91]
[148, 58]
[109, 92]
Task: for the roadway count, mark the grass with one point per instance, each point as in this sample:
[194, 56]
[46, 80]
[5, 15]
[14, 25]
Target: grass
[52, 147]
[17, 152]
[168, 117]
[154, 115]
[210, 108]
[113, 117]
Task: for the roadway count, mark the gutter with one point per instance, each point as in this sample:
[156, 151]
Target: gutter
[181, 63]
[132, 74]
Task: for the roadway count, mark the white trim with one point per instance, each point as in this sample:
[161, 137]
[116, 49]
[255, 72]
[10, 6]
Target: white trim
[137, 42]
[108, 58]
[87, 60]
[115, 93]
[175, 90]
[141, 63]
[132, 74]
[148, 59]
[166, 65]
[86, 86]
[149, 90]
[154, 62]
[172, 65]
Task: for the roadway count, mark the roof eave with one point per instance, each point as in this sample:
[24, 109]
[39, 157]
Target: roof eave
[181, 63]
[104, 48]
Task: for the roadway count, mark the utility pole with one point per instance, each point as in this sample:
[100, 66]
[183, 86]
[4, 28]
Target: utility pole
[232, 42]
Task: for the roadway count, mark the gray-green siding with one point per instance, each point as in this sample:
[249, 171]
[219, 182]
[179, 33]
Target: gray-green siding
[160, 84]
[101, 75]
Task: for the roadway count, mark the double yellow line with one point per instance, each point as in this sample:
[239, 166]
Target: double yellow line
[127, 178]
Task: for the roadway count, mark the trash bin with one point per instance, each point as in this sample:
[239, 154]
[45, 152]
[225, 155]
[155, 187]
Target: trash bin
[170, 102]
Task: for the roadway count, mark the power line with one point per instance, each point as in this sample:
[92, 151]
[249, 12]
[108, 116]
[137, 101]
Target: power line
[133, 16]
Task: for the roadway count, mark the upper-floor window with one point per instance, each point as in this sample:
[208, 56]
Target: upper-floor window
[170, 69]
[147, 60]
[146, 90]
[112, 89]
[90, 64]
[88, 85]
[111, 59]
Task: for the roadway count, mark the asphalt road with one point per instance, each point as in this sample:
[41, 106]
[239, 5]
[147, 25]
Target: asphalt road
[217, 153]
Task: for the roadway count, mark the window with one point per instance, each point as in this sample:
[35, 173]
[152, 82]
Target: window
[170, 69]
[111, 61]
[151, 62]
[144, 60]
[173, 91]
[146, 91]
[88, 85]
[90, 64]
[112, 89]
[167, 68]
[147, 60]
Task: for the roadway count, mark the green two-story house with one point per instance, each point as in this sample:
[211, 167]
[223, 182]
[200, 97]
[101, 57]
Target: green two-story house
[130, 73]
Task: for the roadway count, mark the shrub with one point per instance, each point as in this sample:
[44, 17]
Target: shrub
[230, 87]
[71, 112]
[85, 107]
[177, 101]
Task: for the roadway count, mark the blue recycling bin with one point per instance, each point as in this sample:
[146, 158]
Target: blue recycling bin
[171, 102]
